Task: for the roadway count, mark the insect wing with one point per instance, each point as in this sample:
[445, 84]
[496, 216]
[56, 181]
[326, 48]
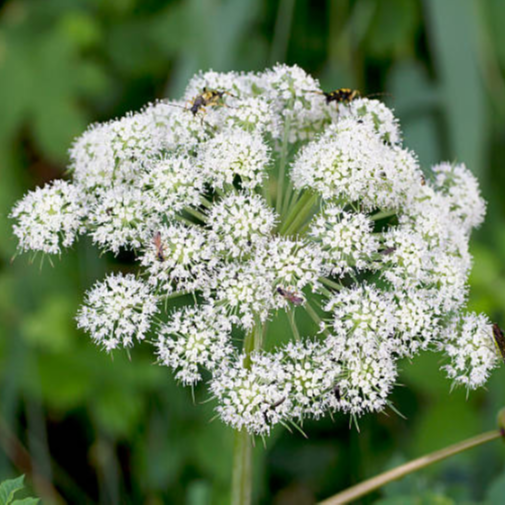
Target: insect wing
[499, 339]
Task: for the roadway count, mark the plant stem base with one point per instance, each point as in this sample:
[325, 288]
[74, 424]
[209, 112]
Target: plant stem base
[242, 469]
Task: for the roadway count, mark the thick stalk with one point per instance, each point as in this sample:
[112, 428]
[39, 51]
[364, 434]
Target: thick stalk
[242, 469]
[363, 488]
[241, 493]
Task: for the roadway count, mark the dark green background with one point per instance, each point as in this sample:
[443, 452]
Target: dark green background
[114, 431]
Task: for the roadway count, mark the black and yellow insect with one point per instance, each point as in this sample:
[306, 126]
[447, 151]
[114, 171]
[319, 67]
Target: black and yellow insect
[207, 98]
[341, 95]
[499, 340]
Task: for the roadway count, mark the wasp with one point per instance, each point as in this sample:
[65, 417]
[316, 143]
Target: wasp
[160, 255]
[499, 340]
[290, 296]
[207, 98]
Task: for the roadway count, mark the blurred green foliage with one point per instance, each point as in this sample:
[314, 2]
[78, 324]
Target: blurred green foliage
[88, 429]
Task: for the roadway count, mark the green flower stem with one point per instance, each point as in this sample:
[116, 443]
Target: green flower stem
[299, 213]
[314, 316]
[184, 220]
[383, 214]
[294, 209]
[293, 201]
[331, 284]
[286, 200]
[241, 493]
[242, 469]
[196, 213]
[282, 164]
[206, 203]
[363, 488]
[292, 323]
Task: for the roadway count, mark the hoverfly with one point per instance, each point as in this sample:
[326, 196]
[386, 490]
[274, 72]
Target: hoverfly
[290, 296]
[499, 340]
[160, 255]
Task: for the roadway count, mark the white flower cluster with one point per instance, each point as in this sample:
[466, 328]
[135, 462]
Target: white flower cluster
[49, 218]
[470, 346]
[346, 237]
[117, 310]
[354, 235]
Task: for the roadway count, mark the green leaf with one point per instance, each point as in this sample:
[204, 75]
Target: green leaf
[8, 488]
[26, 501]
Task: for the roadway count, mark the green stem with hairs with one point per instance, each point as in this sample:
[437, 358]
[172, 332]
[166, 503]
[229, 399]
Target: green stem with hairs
[241, 493]
[363, 488]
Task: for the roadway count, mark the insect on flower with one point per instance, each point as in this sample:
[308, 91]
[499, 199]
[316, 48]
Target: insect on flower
[207, 98]
[272, 407]
[160, 255]
[341, 95]
[336, 392]
[290, 296]
[499, 340]
[387, 251]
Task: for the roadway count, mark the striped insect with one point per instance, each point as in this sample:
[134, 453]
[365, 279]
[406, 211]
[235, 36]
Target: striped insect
[499, 340]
